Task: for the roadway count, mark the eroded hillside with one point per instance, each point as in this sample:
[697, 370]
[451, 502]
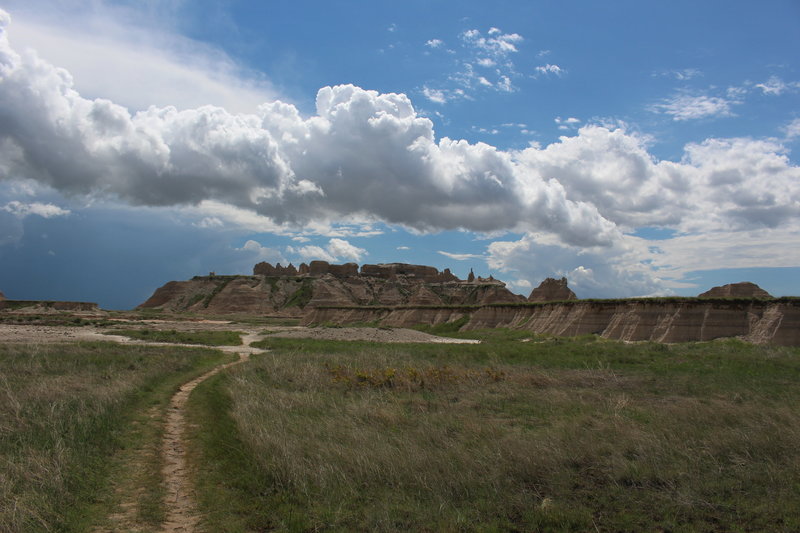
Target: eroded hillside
[288, 291]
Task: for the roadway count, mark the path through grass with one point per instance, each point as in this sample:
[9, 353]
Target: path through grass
[66, 412]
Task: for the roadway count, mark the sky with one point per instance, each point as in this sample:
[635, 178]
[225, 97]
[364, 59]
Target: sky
[636, 148]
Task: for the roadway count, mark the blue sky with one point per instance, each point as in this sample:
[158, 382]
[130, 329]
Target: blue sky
[637, 148]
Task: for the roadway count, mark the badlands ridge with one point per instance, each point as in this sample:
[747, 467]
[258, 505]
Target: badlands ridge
[402, 295]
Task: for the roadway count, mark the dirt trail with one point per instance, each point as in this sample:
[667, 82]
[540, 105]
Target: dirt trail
[181, 511]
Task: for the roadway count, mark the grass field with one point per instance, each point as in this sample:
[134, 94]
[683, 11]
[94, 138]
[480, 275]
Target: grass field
[67, 413]
[207, 338]
[549, 434]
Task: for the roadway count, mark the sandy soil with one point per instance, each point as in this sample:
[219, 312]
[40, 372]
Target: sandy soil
[46, 334]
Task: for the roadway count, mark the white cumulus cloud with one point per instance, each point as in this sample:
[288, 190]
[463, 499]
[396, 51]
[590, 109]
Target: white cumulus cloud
[15, 212]
[337, 250]
[592, 272]
[22, 210]
[256, 253]
[340, 248]
[285, 168]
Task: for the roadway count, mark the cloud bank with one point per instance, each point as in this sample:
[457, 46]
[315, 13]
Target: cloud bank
[370, 156]
[363, 153]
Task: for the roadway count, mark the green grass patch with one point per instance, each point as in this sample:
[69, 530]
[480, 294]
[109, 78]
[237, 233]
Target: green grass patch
[445, 328]
[517, 433]
[195, 299]
[230, 484]
[206, 338]
[222, 282]
[301, 296]
[67, 412]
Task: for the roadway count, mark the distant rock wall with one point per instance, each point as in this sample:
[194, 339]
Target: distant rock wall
[47, 306]
[744, 289]
[322, 268]
[690, 320]
[289, 291]
[423, 273]
[552, 290]
[387, 271]
[266, 269]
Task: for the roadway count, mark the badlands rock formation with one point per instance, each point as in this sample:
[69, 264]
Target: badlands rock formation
[740, 310]
[47, 306]
[402, 295]
[744, 289]
[388, 271]
[552, 290]
[291, 291]
[774, 321]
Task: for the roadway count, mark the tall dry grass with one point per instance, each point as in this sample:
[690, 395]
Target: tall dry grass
[377, 438]
[63, 409]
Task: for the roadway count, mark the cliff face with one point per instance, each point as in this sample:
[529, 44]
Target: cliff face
[776, 321]
[275, 290]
